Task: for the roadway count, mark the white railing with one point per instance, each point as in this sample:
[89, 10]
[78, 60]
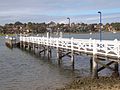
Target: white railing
[104, 47]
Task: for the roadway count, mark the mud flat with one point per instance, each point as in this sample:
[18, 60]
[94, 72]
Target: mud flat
[87, 83]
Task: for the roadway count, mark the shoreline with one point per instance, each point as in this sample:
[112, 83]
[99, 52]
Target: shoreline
[88, 83]
[67, 33]
[7, 34]
[90, 32]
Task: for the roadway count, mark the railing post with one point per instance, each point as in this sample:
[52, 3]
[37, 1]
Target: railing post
[94, 47]
[106, 48]
[90, 40]
[116, 46]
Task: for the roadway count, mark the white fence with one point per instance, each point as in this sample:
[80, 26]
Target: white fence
[104, 47]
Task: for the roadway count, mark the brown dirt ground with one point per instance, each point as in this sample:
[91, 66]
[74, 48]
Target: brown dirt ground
[87, 83]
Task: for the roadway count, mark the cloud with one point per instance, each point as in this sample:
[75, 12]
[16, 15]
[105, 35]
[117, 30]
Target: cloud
[107, 18]
[54, 7]
[58, 10]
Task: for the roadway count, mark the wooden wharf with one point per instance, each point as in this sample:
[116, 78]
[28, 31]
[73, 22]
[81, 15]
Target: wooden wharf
[99, 51]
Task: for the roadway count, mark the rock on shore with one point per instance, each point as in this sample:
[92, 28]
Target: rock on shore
[87, 83]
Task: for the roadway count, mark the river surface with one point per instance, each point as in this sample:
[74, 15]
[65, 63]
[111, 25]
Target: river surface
[23, 70]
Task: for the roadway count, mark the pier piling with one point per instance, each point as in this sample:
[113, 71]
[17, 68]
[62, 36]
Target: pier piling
[91, 66]
[95, 67]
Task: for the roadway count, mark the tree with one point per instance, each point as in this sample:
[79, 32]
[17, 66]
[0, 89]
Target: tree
[18, 23]
[116, 26]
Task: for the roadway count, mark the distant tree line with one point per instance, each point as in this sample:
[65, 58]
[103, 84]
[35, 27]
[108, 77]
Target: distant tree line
[30, 27]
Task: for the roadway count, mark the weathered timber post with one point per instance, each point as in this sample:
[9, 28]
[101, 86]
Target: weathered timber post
[10, 42]
[24, 42]
[116, 72]
[44, 50]
[48, 36]
[50, 48]
[21, 44]
[58, 56]
[72, 59]
[50, 52]
[33, 45]
[28, 43]
[95, 60]
[37, 44]
[24, 45]
[58, 52]
[21, 41]
[38, 48]
[95, 67]
[29, 46]
[91, 65]
[72, 54]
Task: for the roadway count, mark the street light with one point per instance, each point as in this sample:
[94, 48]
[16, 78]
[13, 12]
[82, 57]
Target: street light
[69, 24]
[100, 25]
[69, 21]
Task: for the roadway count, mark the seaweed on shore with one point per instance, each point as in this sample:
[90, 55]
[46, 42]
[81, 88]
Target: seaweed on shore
[87, 83]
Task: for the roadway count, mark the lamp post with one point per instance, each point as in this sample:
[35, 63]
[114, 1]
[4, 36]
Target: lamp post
[69, 21]
[100, 25]
[69, 24]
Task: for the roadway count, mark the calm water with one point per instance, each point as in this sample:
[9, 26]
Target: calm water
[21, 70]
[105, 36]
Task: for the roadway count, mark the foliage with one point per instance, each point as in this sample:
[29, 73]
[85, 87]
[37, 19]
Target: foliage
[116, 26]
[30, 27]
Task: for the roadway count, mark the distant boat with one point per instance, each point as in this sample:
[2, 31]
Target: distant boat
[114, 31]
[90, 33]
[10, 41]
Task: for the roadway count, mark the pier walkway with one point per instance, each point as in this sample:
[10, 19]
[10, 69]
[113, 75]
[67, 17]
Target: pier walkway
[98, 50]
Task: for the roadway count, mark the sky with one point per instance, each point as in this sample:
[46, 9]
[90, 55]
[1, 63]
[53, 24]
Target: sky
[85, 11]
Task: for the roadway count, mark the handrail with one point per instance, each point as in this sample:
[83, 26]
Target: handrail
[104, 47]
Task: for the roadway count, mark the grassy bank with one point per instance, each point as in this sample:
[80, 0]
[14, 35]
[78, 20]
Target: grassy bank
[7, 34]
[103, 83]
